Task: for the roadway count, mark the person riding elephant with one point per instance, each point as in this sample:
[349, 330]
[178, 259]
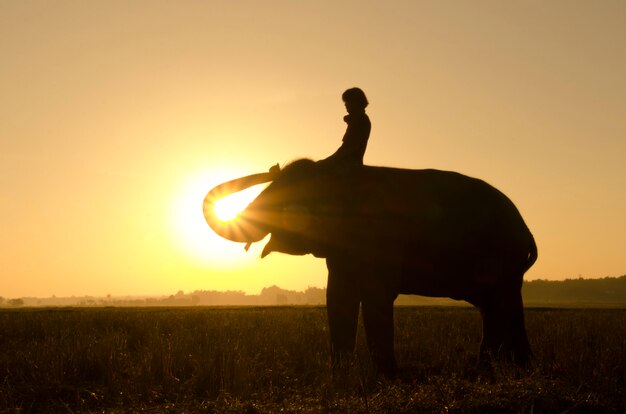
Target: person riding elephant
[388, 231]
[350, 153]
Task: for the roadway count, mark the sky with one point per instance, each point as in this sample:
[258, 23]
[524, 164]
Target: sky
[116, 118]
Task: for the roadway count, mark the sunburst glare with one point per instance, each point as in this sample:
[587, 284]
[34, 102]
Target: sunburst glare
[227, 208]
[193, 236]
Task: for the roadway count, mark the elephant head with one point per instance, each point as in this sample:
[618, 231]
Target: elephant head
[282, 209]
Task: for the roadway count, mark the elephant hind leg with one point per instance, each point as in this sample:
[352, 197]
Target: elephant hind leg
[504, 331]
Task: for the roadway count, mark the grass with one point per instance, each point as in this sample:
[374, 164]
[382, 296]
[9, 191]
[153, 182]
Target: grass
[266, 360]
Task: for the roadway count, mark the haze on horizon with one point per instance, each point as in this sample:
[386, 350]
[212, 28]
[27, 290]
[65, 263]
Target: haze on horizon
[117, 117]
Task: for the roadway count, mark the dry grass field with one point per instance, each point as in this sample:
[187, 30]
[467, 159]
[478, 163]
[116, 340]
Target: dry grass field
[268, 360]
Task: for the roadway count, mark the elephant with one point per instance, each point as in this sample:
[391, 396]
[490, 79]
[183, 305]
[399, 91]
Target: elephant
[387, 231]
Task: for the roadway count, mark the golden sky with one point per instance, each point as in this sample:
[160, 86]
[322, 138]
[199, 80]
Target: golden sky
[116, 117]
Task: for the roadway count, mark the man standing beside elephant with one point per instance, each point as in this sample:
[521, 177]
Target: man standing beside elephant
[354, 142]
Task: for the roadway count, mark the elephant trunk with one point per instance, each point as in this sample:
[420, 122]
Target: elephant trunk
[242, 229]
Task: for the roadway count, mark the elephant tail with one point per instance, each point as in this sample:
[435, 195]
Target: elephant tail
[532, 254]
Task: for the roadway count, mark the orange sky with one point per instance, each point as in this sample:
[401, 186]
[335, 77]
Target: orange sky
[116, 117]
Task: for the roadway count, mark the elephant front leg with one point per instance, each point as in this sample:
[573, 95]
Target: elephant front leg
[378, 321]
[342, 303]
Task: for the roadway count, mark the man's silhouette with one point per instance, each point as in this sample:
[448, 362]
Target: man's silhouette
[352, 149]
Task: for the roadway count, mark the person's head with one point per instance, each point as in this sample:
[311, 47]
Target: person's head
[355, 100]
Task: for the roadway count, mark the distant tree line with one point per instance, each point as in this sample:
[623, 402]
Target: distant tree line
[270, 296]
[13, 303]
[605, 291]
[608, 290]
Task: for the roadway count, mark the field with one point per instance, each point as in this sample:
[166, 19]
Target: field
[267, 360]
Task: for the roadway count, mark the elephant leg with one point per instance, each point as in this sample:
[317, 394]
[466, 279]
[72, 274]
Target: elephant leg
[504, 331]
[378, 321]
[342, 304]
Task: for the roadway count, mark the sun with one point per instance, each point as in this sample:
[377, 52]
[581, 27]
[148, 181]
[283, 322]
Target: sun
[192, 235]
[227, 208]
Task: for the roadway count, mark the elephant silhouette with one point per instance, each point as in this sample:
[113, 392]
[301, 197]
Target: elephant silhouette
[389, 231]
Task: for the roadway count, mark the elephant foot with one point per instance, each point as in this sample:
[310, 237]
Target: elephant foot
[388, 371]
[505, 355]
[384, 366]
